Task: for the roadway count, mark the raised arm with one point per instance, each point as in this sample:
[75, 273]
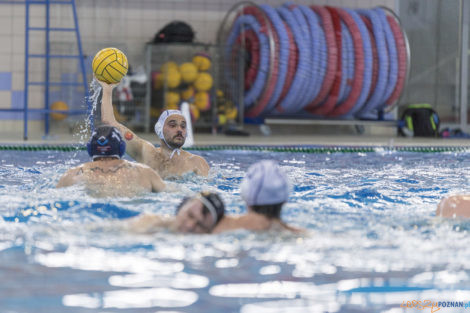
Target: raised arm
[135, 146]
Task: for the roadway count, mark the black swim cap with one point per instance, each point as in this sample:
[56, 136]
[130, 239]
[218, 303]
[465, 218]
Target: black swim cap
[106, 141]
[214, 204]
[211, 202]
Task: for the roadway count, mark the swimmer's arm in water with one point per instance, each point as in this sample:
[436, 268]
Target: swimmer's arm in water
[69, 178]
[148, 223]
[454, 206]
[136, 147]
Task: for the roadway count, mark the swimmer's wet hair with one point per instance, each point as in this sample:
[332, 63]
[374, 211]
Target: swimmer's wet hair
[269, 210]
[211, 204]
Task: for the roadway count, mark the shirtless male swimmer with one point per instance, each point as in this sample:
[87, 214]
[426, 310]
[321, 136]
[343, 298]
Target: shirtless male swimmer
[265, 190]
[457, 206]
[169, 159]
[198, 214]
[108, 175]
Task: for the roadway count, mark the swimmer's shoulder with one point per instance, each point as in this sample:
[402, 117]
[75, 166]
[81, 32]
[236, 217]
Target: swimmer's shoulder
[199, 163]
[248, 221]
[193, 157]
[78, 170]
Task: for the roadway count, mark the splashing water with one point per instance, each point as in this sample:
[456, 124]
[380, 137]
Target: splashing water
[373, 242]
[84, 130]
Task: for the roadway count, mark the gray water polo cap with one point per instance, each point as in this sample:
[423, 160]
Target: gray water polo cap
[264, 184]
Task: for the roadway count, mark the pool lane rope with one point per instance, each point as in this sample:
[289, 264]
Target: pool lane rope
[325, 61]
[264, 148]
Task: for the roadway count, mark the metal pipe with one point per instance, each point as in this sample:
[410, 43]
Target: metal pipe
[464, 12]
[46, 91]
[26, 70]
[82, 65]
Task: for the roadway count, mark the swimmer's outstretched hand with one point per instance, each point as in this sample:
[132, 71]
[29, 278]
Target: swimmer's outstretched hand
[105, 85]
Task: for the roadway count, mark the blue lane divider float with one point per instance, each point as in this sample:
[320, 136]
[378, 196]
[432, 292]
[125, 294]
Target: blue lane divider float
[318, 53]
[305, 98]
[249, 22]
[290, 104]
[368, 63]
[392, 56]
[283, 56]
[325, 61]
[383, 62]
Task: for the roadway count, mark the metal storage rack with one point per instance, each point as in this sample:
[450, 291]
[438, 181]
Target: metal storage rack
[158, 54]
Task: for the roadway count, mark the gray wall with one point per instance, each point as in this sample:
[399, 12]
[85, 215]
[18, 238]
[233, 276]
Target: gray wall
[433, 31]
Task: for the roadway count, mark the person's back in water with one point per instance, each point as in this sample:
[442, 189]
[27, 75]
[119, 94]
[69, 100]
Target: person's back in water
[108, 175]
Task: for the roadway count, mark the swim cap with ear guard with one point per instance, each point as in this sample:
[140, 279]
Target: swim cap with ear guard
[106, 141]
[159, 128]
[211, 202]
[264, 184]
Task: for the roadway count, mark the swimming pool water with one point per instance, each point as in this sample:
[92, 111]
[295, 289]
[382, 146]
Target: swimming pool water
[373, 242]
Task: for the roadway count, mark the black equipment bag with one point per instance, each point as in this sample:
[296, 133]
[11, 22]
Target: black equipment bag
[419, 120]
[175, 31]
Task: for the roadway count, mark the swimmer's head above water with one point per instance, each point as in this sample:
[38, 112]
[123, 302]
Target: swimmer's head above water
[199, 214]
[265, 189]
[106, 142]
[171, 129]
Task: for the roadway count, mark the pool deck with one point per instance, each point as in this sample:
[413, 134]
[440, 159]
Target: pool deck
[279, 135]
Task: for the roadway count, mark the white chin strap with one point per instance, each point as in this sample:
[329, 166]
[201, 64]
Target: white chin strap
[174, 150]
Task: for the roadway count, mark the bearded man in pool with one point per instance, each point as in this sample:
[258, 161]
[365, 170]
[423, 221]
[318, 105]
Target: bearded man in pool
[169, 159]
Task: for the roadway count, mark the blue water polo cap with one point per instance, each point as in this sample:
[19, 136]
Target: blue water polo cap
[106, 141]
[264, 184]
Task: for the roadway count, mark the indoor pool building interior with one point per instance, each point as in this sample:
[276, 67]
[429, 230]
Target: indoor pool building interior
[360, 106]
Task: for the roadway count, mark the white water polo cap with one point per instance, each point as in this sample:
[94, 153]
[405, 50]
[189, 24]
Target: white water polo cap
[264, 183]
[159, 128]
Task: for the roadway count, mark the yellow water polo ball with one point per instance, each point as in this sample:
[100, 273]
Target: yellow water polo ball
[157, 80]
[154, 112]
[219, 93]
[202, 101]
[172, 107]
[203, 82]
[59, 106]
[167, 65]
[202, 61]
[222, 119]
[194, 111]
[187, 93]
[188, 72]
[110, 65]
[231, 113]
[172, 99]
[172, 77]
